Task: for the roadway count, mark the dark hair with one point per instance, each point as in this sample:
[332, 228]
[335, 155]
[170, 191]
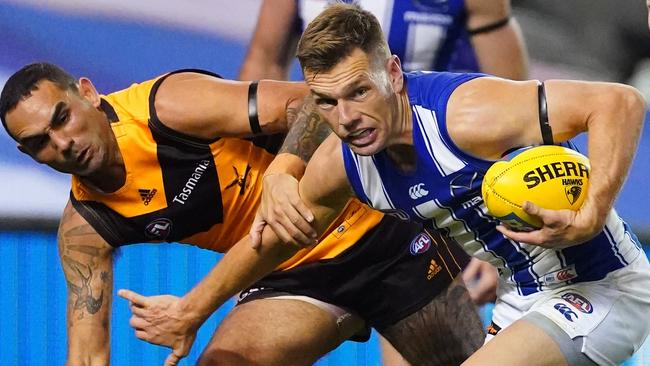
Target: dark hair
[24, 81]
[335, 33]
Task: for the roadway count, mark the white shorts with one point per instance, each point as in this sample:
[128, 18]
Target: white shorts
[611, 315]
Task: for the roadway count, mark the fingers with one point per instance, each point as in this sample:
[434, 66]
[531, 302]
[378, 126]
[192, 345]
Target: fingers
[172, 359]
[139, 311]
[281, 231]
[528, 237]
[138, 323]
[304, 211]
[298, 229]
[485, 288]
[531, 208]
[470, 273]
[135, 298]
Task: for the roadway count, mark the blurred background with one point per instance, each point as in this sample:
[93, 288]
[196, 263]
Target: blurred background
[118, 42]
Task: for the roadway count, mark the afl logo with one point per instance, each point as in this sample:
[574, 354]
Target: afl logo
[578, 301]
[158, 229]
[420, 244]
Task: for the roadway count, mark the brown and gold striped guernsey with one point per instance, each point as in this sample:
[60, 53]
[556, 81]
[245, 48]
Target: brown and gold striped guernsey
[182, 189]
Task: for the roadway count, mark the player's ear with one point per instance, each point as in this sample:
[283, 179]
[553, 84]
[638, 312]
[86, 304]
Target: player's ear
[394, 68]
[87, 90]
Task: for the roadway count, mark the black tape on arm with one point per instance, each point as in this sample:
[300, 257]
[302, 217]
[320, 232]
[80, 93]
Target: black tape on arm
[252, 108]
[544, 125]
[489, 27]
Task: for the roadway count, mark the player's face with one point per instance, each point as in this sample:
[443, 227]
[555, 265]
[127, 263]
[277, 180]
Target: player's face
[358, 101]
[62, 128]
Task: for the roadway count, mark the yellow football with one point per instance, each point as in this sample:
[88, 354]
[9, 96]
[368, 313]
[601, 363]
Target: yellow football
[551, 177]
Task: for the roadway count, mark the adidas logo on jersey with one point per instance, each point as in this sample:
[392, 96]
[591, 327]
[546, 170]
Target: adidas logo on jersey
[147, 195]
[434, 268]
[418, 191]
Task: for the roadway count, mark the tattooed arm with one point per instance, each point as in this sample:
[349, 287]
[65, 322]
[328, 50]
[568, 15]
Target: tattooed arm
[281, 205]
[87, 263]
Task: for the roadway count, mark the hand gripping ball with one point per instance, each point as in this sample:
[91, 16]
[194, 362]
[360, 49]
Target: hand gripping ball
[552, 177]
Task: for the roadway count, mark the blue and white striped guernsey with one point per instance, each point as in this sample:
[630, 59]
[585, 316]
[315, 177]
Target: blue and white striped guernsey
[444, 192]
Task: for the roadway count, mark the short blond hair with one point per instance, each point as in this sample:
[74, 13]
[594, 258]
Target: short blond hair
[335, 33]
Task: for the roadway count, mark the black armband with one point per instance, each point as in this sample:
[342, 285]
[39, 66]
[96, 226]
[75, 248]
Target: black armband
[489, 27]
[252, 108]
[544, 125]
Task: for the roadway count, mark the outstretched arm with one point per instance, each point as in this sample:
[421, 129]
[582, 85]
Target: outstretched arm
[274, 42]
[206, 107]
[87, 263]
[173, 322]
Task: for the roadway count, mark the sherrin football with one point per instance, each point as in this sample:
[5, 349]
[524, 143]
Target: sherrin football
[549, 176]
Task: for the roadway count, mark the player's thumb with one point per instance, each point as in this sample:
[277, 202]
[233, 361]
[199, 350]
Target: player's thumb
[256, 231]
[532, 209]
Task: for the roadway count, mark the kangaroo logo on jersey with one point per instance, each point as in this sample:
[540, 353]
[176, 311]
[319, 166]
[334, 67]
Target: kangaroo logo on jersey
[566, 311]
[572, 191]
[463, 183]
[418, 191]
[240, 180]
[158, 229]
[420, 244]
[578, 301]
[147, 195]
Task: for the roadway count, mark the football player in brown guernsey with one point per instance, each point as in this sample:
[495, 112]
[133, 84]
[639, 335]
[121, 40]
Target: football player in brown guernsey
[180, 158]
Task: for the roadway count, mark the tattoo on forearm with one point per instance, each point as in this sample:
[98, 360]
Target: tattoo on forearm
[83, 264]
[86, 249]
[307, 132]
[84, 291]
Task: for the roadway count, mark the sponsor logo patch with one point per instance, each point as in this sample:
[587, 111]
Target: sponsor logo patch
[240, 180]
[566, 311]
[158, 229]
[578, 301]
[573, 192]
[147, 195]
[433, 270]
[493, 329]
[418, 191]
[192, 181]
[563, 275]
[420, 244]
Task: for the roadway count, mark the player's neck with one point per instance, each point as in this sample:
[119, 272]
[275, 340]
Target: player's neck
[112, 174]
[401, 151]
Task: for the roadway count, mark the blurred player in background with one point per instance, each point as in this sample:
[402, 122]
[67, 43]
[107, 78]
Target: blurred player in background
[454, 35]
[168, 160]
[436, 134]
